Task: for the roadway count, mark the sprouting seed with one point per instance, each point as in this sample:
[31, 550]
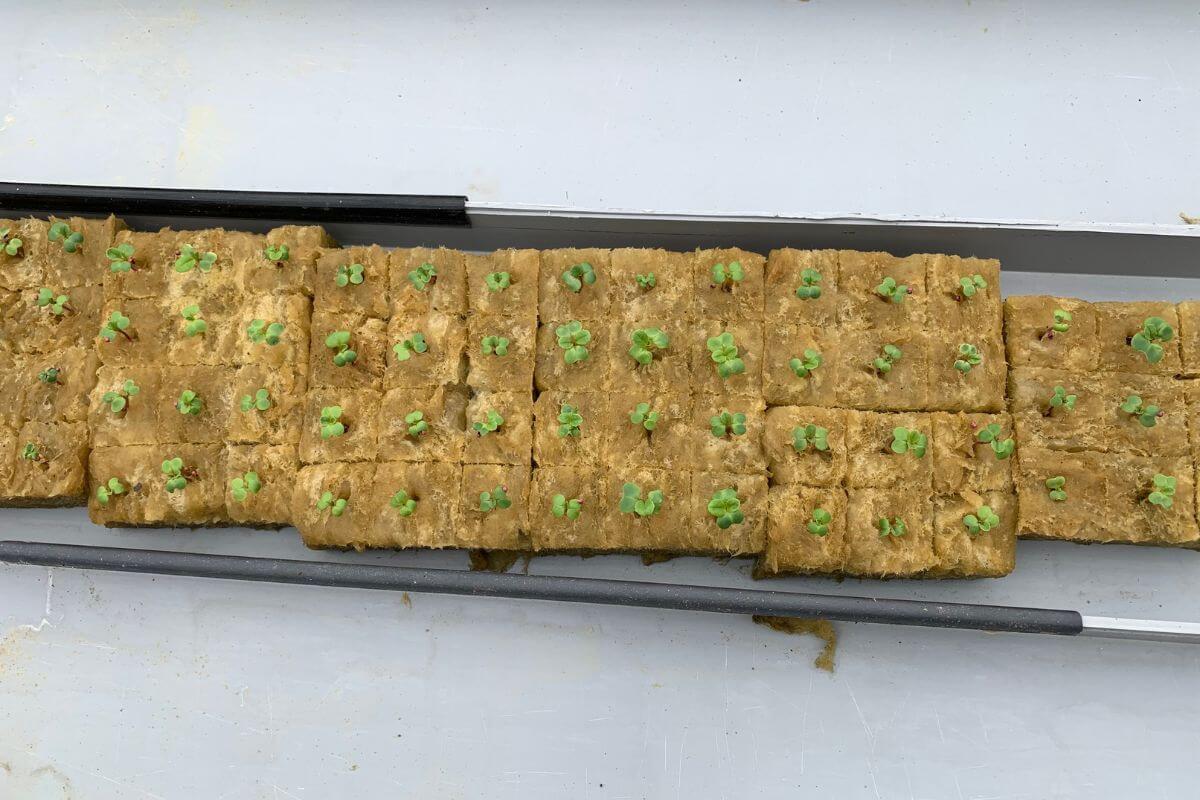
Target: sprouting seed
[414, 344]
[803, 367]
[1060, 399]
[1061, 323]
[50, 375]
[105, 492]
[569, 420]
[496, 498]
[177, 474]
[990, 435]
[11, 245]
[120, 257]
[818, 523]
[810, 284]
[645, 342]
[970, 285]
[894, 527]
[724, 352]
[277, 254]
[891, 291]
[61, 232]
[1163, 493]
[31, 452]
[725, 507]
[189, 403]
[889, 354]
[56, 304]
[489, 424]
[573, 338]
[726, 276]
[189, 258]
[1146, 341]
[348, 274]
[578, 276]
[259, 331]
[336, 506]
[423, 276]
[118, 399]
[642, 415]
[905, 440]
[982, 521]
[117, 324]
[632, 501]
[195, 322]
[968, 357]
[726, 425]
[415, 423]
[497, 281]
[646, 281]
[560, 506]
[1146, 414]
[245, 485]
[495, 345]
[331, 422]
[404, 505]
[339, 343]
[1057, 488]
[810, 435]
[260, 401]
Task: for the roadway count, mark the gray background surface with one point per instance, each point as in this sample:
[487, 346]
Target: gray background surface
[118, 686]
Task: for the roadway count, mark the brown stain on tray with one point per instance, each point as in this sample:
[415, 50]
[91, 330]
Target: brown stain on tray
[821, 628]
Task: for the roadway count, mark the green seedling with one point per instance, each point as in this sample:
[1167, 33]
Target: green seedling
[31, 452]
[189, 258]
[909, 441]
[577, 276]
[573, 338]
[569, 420]
[894, 527]
[415, 423]
[277, 254]
[117, 323]
[1061, 323]
[177, 474]
[803, 367]
[57, 304]
[348, 274]
[1146, 414]
[810, 435]
[646, 282]
[560, 506]
[495, 346]
[194, 322]
[120, 258]
[1057, 488]
[260, 331]
[1163, 494]
[982, 521]
[331, 422]
[725, 277]
[339, 343]
[107, 491]
[727, 425]
[810, 284]
[726, 508]
[244, 486]
[990, 435]
[489, 424]
[646, 341]
[61, 232]
[260, 401]
[1146, 341]
[50, 375]
[336, 506]
[189, 403]
[642, 415]
[118, 399]
[404, 505]
[818, 523]
[724, 352]
[969, 286]
[11, 245]
[632, 501]
[892, 292]
[1060, 399]
[423, 276]
[496, 498]
[888, 356]
[413, 344]
[497, 281]
[968, 357]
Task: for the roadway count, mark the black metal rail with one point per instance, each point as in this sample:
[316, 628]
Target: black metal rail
[405, 209]
[540, 587]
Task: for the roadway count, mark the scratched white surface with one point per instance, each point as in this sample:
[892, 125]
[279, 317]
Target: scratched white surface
[1071, 112]
[119, 687]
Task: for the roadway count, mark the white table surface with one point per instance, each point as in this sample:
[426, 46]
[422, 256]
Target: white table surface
[121, 686]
